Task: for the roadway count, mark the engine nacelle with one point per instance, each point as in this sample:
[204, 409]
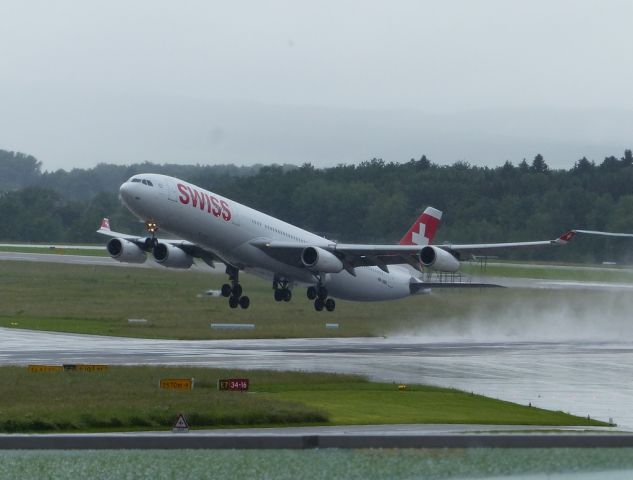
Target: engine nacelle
[170, 256]
[125, 251]
[319, 260]
[438, 259]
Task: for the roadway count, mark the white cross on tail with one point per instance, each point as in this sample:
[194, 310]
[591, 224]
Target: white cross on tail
[418, 238]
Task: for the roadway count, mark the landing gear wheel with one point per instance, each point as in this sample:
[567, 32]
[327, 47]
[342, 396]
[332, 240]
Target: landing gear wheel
[287, 294]
[318, 305]
[322, 293]
[312, 293]
[279, 295]
[233, 290]
[245, 302]
[330, 305]
[226, 290]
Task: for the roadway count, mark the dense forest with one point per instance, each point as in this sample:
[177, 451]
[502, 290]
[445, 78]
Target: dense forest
[373, 201]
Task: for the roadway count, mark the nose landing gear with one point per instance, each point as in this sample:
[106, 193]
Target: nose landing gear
[282, 290]
[234, 290]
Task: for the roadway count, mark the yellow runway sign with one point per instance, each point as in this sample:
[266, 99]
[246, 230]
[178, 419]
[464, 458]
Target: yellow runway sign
[176, 383]
[44, 368]
[79, 367]
[91, 368]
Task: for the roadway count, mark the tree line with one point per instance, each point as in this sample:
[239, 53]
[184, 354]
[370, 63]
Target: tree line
[374, 201]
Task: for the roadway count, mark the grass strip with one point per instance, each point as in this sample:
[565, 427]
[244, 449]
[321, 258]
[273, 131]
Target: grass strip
[101, 299]
[128, 398]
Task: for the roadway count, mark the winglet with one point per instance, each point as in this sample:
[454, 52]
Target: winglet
[565, 238]
[105, 224]
[424, 228]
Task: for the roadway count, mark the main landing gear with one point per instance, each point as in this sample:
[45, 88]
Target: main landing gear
[321, 300]
[234, 290]
[282, 290]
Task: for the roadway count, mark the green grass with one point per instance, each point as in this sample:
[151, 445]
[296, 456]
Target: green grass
[128, 398]
[363, 402]
[100, 300]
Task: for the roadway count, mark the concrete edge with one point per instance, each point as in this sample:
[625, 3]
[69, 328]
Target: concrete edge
[193, 441]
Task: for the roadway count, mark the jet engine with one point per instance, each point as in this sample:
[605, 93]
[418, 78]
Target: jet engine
[125, 251]
[320, 260]
[170, 256]
[438, 259]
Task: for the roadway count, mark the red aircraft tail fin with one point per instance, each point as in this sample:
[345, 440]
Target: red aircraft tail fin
[423, 230]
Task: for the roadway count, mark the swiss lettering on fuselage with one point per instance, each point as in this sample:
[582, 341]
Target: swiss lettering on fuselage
[204, 201]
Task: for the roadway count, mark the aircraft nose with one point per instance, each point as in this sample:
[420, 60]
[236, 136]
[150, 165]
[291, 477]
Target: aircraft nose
[126, 192]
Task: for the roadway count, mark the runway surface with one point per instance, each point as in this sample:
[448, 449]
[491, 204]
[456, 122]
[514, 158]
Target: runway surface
[583, 378]
[263, 440]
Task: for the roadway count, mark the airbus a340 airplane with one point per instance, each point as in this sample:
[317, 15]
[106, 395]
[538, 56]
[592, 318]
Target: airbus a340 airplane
[214, 228]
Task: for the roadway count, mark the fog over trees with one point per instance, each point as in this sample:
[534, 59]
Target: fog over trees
[373, 201]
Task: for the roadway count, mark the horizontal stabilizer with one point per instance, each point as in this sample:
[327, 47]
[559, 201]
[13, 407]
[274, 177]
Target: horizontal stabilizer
[419, 287]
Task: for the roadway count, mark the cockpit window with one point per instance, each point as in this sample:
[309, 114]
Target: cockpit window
[143, 181]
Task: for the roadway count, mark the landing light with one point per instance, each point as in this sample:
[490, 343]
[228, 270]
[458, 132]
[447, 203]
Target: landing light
[151, 226]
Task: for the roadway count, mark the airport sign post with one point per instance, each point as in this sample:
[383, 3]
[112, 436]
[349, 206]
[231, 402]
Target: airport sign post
[67, 368]
[176, 383]
[84, 368]
[181, 425]
[233, 384]
[44, 368]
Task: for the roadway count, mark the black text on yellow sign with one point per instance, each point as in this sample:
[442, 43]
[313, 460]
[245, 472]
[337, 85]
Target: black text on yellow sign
[66, 368]
[176, 383]
[44, 368]
[85, 368]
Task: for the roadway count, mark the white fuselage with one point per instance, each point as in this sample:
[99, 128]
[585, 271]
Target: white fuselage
[227, 228]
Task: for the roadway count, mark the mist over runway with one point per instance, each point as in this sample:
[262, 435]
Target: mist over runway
[580, 377]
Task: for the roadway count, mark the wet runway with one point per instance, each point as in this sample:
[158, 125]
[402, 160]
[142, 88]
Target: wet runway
[580, 377]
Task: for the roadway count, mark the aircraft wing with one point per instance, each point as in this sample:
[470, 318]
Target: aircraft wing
[351, 255]
[105, 230]
[145, 243]
[605, 234]
[359, 255]
[467, 251]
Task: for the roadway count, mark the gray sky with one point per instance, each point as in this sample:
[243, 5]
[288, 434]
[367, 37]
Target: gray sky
[83, 82]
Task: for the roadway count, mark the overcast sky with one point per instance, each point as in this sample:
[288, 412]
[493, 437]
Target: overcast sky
[83, 82]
